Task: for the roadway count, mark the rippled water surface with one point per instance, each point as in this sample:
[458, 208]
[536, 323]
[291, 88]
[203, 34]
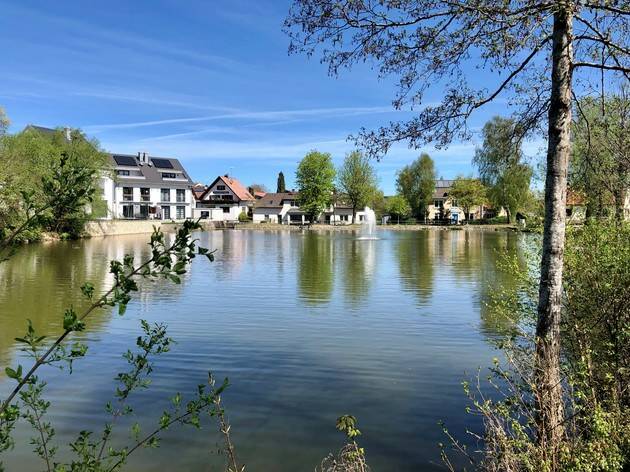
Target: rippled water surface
[306, 326]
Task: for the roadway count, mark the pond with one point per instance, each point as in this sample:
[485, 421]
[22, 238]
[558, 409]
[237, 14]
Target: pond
[307, 326]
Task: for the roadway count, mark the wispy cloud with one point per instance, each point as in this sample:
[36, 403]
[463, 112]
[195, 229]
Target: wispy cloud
[284, 115]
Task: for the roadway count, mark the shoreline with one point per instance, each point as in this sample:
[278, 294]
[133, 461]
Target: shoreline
[358, 227]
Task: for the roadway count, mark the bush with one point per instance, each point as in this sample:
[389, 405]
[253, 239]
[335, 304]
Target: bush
[595, 363]
[244, 217]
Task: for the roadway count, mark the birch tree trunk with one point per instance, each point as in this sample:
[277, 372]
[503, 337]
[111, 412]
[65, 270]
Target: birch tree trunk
[548, 380]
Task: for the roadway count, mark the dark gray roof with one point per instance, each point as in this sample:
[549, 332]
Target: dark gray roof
[274, 200]
[443, 183]
[152, 175]
[40, 129]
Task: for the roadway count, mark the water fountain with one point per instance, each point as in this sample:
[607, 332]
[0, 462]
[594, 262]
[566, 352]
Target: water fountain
[368, 229]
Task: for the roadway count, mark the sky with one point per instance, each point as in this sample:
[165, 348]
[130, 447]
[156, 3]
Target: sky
[210, 83]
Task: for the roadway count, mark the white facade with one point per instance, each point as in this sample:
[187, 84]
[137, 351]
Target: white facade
[283, 209]
[144, 191]
[224, 200]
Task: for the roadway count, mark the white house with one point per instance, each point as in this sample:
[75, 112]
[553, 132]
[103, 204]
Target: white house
[146, 187]
[223, 200]
[444, 206]
[281, 208]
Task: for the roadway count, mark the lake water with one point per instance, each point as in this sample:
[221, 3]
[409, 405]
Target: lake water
[306, 326]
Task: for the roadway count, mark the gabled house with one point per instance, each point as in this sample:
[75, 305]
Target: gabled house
[223, 200]
[443, 206]
[147, 187]
[282, 208]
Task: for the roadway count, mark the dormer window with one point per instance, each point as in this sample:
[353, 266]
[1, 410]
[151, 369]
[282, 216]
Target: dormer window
[169, 175]
[122, 172]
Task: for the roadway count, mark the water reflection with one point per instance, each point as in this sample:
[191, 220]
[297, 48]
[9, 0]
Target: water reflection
[316, 276]
[247, 317]
[359, 264]
[416, 254]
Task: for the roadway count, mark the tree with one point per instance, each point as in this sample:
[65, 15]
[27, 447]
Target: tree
[258, 188]
[281, 187]
[468, 192]
[530, 51]
[398, 208]
[600, 162]
[357, 181]
[500, 165]
[4, 122]
[48, 181]
[416, 182]
[315, 177]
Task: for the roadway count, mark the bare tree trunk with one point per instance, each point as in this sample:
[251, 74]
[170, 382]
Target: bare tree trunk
[354, 214]
[548, 381]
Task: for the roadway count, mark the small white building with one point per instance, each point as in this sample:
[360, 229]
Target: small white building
[146, 187]
[223, 200]
[281, 208]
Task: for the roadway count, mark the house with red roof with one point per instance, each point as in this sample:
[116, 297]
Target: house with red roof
[223, 200]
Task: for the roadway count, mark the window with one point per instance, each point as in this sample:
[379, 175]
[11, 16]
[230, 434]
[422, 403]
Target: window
[181, 212]
[569, 211]
[122, 172]
[205, 215]
[128, 211]
[181, 195]
[343, 217]
[165, 195]
[128, 194]
[226, 209]
[454, 203]
[144, 211]
[220, 187]
[438, 203]
[166, 212]
[145, 194]
[169, 175]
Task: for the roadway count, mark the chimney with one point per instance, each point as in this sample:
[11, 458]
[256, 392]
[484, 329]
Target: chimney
[143, 157]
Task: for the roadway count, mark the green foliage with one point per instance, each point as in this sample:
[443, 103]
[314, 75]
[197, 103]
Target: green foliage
[398, 207]
[595, 363]
[600, 161]
[315, 177]
[351, 457]
[468, 192]
[47, 183]
[357, 180]
[281, 186]
[243, 217]
[416, 182]
[500, 165]
[347, 424]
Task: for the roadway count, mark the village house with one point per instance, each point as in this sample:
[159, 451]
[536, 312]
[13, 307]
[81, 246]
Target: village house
[442, 206]
[147, 187]
[281, 208]
[223, 200]
[141, 186]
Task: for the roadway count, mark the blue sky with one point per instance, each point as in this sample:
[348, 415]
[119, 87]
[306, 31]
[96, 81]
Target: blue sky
[208, 82]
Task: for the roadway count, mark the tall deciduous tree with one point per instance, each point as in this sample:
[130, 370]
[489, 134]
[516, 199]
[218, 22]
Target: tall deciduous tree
[469, 193]
[501, 167]
[281, 186]
[357, 181]
[530, 51]
[315, 178]
[416, 182]
[600, 162]
[398, 207]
